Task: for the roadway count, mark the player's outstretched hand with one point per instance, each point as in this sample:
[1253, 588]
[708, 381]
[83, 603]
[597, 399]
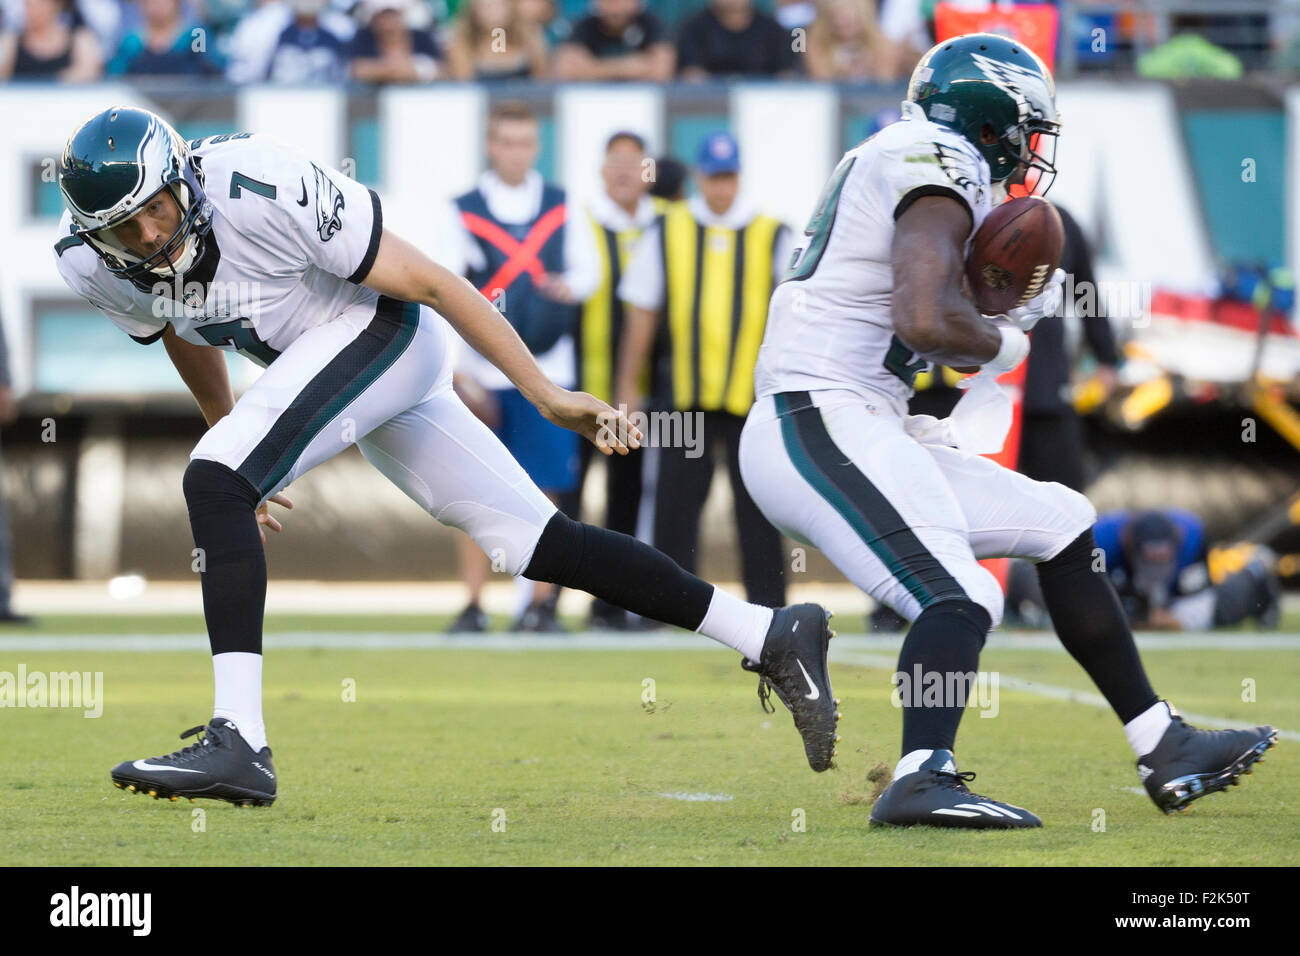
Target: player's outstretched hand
[264, 514]
[607, 429]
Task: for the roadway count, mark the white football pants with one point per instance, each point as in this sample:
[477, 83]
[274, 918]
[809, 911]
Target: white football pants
[905, 522]
[383, 382]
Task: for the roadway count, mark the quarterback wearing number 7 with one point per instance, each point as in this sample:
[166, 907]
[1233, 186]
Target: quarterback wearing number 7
[240, 243]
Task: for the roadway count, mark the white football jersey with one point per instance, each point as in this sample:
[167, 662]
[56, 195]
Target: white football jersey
[289, 244]
[830, 321]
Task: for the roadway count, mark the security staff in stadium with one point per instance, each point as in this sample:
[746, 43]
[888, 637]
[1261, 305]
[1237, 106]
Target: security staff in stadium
[669, 179]
[700, 281]
[616, 217]
[522, 252]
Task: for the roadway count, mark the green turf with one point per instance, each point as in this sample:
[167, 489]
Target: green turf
[436, 741]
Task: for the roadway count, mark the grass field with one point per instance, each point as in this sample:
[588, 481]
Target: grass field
[559, 746]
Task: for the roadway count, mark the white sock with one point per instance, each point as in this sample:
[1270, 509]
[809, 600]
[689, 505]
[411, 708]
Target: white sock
[1145, 730]
[523, 594]
[237, 676]
[911, 763]
[736, 623]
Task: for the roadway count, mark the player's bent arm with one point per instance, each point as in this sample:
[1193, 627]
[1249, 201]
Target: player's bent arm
[931, 315]
[403, 272]
[203, 370]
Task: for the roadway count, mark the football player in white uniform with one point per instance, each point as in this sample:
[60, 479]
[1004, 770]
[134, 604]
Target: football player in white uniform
[905, 506]
[240, 243]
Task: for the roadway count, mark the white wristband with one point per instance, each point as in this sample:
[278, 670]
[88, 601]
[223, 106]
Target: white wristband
[1015, 346]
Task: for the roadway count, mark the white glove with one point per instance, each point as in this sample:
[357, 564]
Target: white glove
[1048, 302]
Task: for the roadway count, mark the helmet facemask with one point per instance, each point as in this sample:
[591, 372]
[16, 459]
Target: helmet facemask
[1034, 145]
[176, 256]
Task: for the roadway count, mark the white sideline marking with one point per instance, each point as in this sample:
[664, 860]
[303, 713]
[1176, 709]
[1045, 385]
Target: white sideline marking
[671, 640]
[845, 649]
[1085, 697]
[699, 797]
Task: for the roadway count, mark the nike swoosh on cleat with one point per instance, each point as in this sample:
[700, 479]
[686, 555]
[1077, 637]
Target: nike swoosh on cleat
[811, 686]
[141, 765]
[303, 200]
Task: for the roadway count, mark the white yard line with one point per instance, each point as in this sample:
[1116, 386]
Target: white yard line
[1085, 697]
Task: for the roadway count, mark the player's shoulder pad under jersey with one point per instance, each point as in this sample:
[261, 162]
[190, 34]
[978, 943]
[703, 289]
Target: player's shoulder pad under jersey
[80, 267]
[921, 157]
[272, 192]
[243, 166]
[85, 274]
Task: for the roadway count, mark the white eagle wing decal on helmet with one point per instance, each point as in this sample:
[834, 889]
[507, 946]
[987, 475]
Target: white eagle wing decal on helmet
[329, 203]
[1016, 81]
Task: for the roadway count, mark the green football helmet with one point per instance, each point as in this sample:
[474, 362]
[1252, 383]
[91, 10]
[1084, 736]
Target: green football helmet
[113, 165]
[999, 96]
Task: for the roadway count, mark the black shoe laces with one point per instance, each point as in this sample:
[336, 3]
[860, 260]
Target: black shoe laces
[197, 749]
[765, 686]
[955, 781]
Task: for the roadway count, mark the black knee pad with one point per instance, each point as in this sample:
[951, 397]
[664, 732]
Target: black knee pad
[955, 616]
[210, 485]
[558, 551]
[1078, 555]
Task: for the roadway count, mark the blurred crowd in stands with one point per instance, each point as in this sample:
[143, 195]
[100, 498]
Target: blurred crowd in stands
[420, 41]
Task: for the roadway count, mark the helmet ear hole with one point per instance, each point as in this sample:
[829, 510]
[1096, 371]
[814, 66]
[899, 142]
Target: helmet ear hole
[987, 135]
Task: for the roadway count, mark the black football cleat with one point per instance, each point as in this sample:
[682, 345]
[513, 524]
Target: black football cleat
[540, 617]
[793, 664]
[472, 620]
[221, 766]
[937, 796]
[606, 617]
[1189, 763]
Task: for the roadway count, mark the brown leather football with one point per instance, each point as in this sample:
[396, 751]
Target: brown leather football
[1014, 252]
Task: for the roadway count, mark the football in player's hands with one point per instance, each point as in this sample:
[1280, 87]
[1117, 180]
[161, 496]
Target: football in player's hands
[1014, 254]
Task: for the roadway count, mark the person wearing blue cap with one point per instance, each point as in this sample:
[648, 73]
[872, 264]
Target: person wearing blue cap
[696, 292]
